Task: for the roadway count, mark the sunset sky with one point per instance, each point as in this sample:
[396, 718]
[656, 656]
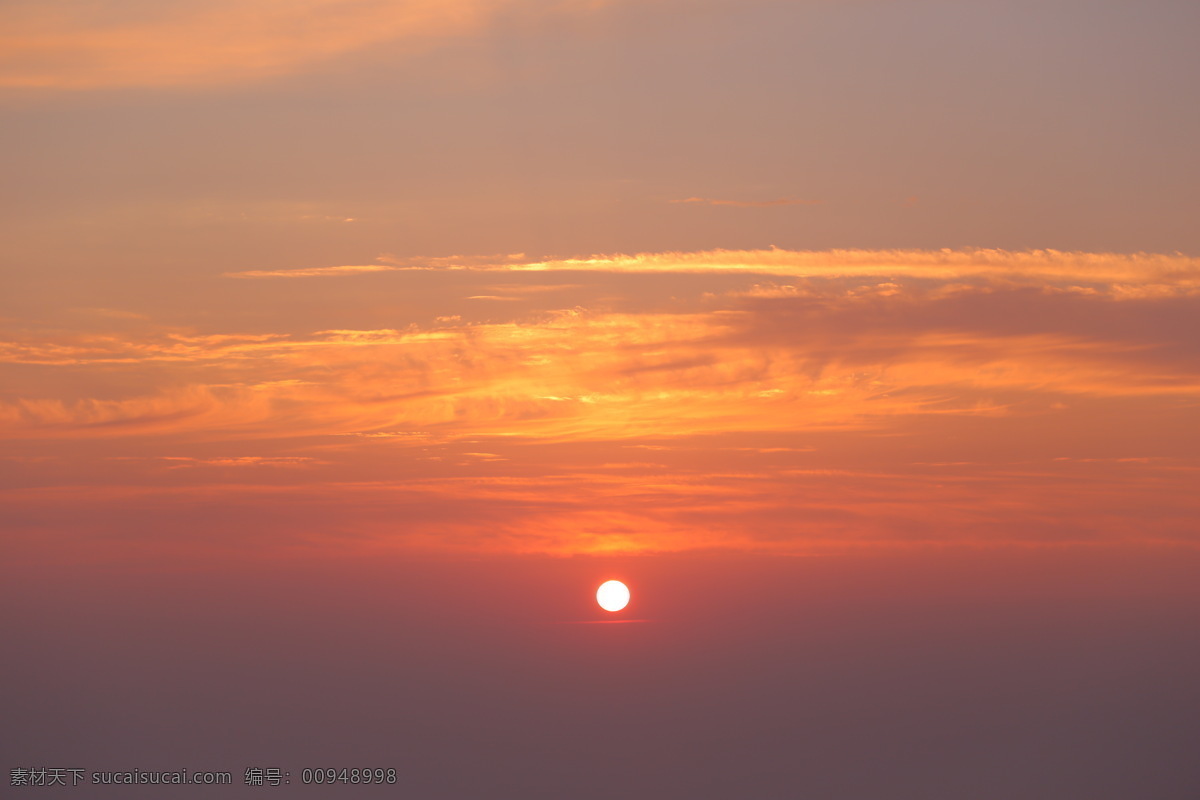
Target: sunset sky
[861, 337]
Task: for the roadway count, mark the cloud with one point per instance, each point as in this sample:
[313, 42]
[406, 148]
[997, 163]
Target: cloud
[184, 462]
[389, 263]
[782, 201]
[313, 272]
[63, 44]
[829, 358]
[1136, 274]
[696, 506]
[1032, 265]
[863, 397]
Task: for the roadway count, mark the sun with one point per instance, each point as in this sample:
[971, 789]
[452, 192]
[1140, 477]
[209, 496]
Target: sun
[612, 595]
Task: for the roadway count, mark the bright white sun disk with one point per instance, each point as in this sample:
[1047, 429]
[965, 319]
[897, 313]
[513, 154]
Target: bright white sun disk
[612, 595]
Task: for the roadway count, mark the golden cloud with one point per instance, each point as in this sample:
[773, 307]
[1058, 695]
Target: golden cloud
[312, 272]
[861, 398]
[1032, 265]
[1129, 275]
[758, 363]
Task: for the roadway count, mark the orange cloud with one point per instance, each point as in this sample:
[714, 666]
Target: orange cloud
[490, 507]
[1137, 274]
[840, 360]
[312, 272]
[938, 399]
[390, 263]
[60, 44]
[1141, 269]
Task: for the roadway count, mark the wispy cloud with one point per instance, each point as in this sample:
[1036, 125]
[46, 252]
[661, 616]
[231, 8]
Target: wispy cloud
[827, 358]
[390, 263]
[184, 462]
[1138, 274]
[1024, 396]
[1140, 269]
[62, 44]
[313, 272]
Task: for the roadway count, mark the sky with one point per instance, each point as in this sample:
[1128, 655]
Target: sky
[346, 346]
